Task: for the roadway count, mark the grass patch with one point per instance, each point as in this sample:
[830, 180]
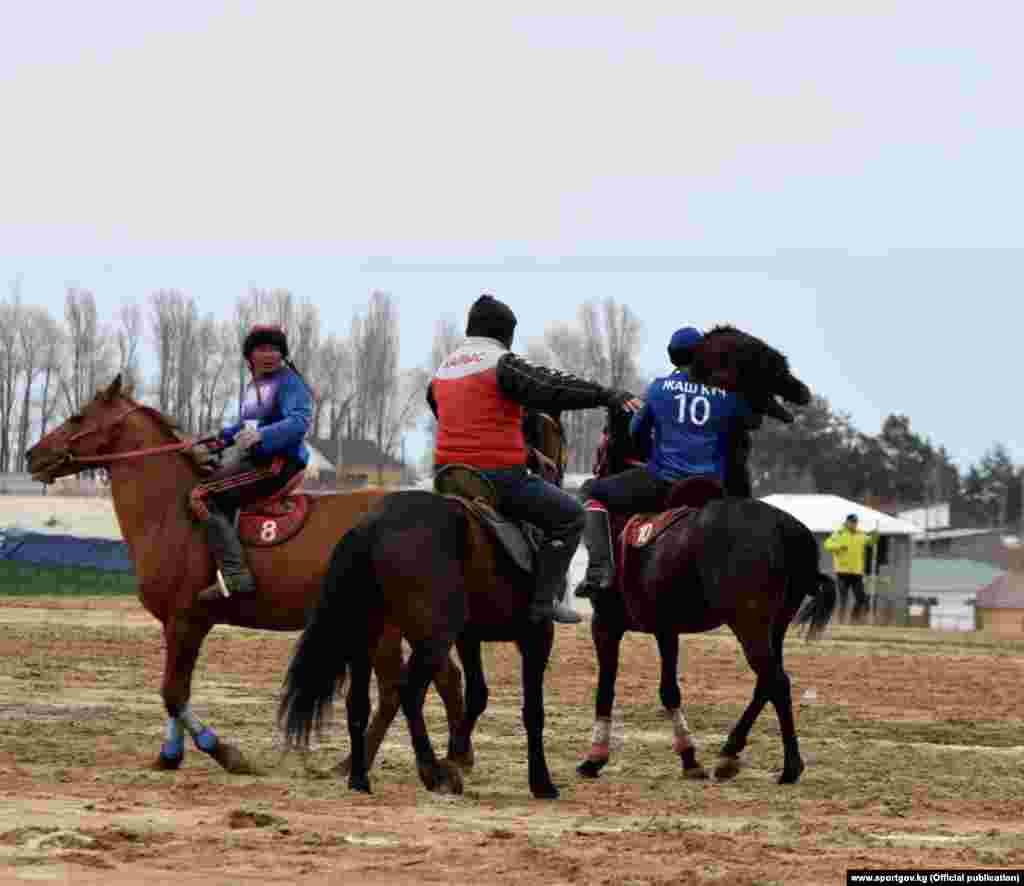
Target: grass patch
[29, 580]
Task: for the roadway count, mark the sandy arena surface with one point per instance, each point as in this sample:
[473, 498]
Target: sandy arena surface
[914, 751]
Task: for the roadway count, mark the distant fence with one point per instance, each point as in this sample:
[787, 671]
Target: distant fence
[44, 549]
[34, 563]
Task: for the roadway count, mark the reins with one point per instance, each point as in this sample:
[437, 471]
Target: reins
[133, 453]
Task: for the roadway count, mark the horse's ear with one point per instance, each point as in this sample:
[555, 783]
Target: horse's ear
[114, 390]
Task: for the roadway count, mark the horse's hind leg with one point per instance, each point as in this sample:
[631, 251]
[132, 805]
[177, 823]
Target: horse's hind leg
[671, 698]
[535, 647]
[183, 638]
[427, 658]
[460, 743]
[607, 635]
[357, 705]
[387, 665]
[764, 654]
[782, 699]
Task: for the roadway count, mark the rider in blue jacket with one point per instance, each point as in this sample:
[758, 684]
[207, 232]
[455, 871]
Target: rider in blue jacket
[277, 409]
[689, 430]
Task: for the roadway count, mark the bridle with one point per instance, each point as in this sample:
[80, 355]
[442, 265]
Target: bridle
[69, 457]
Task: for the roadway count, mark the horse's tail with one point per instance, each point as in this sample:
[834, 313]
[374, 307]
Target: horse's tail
[817, 611]
[334, 632]
[807, 580]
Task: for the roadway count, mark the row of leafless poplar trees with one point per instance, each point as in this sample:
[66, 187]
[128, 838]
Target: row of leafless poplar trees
[51, 367]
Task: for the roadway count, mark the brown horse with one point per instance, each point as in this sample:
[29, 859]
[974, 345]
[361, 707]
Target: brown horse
[710, 561]
[151, 473]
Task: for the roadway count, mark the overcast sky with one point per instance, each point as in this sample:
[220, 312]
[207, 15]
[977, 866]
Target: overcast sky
[843, 183]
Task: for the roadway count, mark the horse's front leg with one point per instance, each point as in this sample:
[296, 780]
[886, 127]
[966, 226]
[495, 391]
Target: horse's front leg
[607, 636]
[535, 648]
[671, 698]
[183, 638]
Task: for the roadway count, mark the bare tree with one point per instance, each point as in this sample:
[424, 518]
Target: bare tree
[128, 334]
[175, 333]
[51, 358]
[446, 339]
[36, 331]
[11, 315]
[602, 346]
[334, 378]
[90, 357]
[216, 357]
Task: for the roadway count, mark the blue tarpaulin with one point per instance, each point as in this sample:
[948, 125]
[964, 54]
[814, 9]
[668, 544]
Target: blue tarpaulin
[43, 549]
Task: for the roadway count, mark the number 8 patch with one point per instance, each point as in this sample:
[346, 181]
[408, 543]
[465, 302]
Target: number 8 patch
[268, 531]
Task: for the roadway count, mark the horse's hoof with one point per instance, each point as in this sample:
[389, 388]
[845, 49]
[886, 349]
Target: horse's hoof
[360, 783]
[591, 768]
[691, 768]
[464, 759]
[167, 764]
[545, 791]
[728, 767]
[442, 777]
[791, 774]
[231, 759]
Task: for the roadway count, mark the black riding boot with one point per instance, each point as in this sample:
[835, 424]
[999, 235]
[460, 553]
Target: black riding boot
[597, 537]
[553, 560]
[227, 551]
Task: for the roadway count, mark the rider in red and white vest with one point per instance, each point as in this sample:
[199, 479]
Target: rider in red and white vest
[478, 396]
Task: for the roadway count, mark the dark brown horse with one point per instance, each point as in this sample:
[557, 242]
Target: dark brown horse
[722, 561]
[151, 473]
[422, 562]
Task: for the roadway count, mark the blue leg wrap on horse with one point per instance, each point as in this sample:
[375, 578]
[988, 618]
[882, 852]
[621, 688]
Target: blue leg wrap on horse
[173, 749]
[206, 740]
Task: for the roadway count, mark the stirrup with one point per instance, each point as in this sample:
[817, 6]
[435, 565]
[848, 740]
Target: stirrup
[556, 612]
[219, 590]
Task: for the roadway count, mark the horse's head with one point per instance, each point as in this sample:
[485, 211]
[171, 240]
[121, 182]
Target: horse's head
[617, 453]
[545, 432]
[730, 359]
[85, 437]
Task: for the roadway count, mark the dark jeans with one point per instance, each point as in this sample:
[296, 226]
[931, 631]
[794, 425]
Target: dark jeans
[527, 498]
[632, 492]
[257, 480]
[847, 581]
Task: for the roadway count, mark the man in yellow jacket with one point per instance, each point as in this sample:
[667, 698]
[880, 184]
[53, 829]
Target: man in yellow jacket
[848, 545]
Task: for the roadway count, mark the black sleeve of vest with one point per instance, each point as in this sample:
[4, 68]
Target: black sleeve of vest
[431, 402]
[537, 387]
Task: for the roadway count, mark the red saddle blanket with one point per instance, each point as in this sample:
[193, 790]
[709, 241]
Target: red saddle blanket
[270, 522]
[644, 529]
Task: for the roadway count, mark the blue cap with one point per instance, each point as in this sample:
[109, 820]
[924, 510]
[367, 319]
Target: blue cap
[685, 338]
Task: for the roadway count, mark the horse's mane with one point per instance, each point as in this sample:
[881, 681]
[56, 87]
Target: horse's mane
[751, 348]
[164, 422]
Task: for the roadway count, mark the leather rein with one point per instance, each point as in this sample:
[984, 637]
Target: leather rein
[69, 456]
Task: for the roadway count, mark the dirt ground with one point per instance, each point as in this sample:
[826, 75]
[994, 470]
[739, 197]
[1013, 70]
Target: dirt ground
[914, 749]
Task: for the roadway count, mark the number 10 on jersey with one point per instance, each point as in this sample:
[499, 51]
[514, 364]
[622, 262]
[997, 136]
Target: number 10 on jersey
[696, 410]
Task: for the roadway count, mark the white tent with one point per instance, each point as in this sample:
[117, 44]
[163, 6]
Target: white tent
[826, 513]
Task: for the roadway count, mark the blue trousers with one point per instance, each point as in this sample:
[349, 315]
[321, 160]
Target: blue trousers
[528, 498]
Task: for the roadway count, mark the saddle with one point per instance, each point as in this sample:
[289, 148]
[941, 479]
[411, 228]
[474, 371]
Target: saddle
[478, 496]
[640, 532]
[275, 519]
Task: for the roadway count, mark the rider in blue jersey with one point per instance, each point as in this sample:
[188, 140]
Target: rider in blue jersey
[689, 429]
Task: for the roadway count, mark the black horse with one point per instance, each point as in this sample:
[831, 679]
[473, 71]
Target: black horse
[724, 560]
